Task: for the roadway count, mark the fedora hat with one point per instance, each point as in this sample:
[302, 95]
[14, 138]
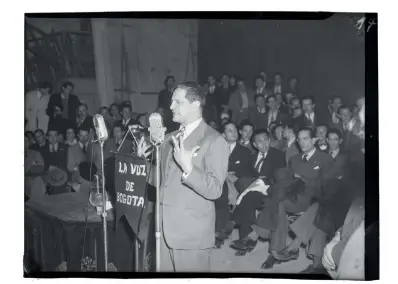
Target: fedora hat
[57, 177]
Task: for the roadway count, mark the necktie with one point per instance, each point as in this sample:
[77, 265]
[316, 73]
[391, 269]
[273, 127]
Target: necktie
[305, 158]
[117, 145]
[258, 166]
[180, 133]
[84, 149]
[51, 148]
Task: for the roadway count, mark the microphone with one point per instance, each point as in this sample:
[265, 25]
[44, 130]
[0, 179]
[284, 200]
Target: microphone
[156, 129]
[100, 127]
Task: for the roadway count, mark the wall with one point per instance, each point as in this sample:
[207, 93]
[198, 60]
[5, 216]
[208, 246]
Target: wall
[325, 55]
[155, 49]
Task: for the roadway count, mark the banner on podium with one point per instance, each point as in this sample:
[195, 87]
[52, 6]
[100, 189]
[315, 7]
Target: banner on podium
[130, 188]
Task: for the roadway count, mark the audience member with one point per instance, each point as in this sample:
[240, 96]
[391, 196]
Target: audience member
[293, 86]
[36, 102]
[56, 153]
[83, 119]
[274, 114]
[211, 108]
[240, 101]
[295, 102]
[164, 98]
[232, 83]
[70, 136]
[223, 93]
[239, 166]
[246, 130]
[309, 118]
[127, 119]
[65, 103]
[292, 147]
[258, 113]
[333, 120]
[260, 86]
[114, 144]
[277, 87]
[31, 138]
[282, 107]
[321, 136]
[264, 165]
[277, 140]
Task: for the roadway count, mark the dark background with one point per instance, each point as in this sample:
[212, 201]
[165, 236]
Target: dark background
[327, 56]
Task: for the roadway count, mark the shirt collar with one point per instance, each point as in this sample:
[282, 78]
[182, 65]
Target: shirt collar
[232, 146]
[191, 127]
[310, 154]
[261, 155]
[63, 96]
[334, 153]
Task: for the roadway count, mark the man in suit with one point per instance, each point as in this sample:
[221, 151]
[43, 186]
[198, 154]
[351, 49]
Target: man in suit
[277, 87]
[263, 166]
[282, 107]
[333, 119]
[211, 107]
[261, 89]
[321, 135]
[246, 129]
[292, 146]
[314, 168]
[258, 113]
[193, 170]
[223, 93]
[292, 88]
[164, 98]
[55, 154]
[41, 141]
[112, 145]
[127, 119]
[350, 141]
[274, 114]
[83, 119]
[238, 166]
[340, 157]
[240, 101]
[310, 118]
[35, 107]
[66, 103]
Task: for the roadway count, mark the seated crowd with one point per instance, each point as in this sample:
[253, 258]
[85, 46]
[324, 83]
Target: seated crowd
[296, 173]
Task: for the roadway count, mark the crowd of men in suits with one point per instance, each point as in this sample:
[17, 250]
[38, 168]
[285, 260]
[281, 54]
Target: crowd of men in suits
[312, 163]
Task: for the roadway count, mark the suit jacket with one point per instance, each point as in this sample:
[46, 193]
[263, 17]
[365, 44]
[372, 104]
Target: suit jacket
[187, 205]
[340, 162]
[87, 123]
[239, 161]
[274, 160]
[75, 157]
[303, 121]
[235, 104]
[351, 142]
[56, 100]
[222, 96]
[315, 172]
[331, 124]
[258, 119]
[58, 158]
[34, 163]
[280, 118]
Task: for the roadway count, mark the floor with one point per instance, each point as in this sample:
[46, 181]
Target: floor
[224, 260]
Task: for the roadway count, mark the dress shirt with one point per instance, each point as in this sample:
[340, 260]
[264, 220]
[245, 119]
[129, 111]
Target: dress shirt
[53, 148]
[259, 157]
[125, 121]
[309, 154]
[310, 116]
[334, 153]
[187, 131]
[261, 110]
[232, 147]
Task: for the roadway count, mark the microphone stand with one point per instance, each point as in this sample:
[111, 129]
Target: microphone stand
[104, 214]
[157, 144]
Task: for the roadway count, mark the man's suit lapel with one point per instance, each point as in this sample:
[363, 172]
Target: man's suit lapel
[167, 161]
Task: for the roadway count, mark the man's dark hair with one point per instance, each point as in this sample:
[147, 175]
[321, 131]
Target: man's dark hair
[224, 74]
[278, 73]
[126, 106]
[335, 131]
[85, 105]
[84, 128]
[309, 129]
[292, 78]
[337, 97]
[295, 98]
[309, 98]
[120, 125]
[344, 107]
[271, 96]
[46, 85]
[114, 104]
[275, 127]
[52, 129]
[39, 131]
[68, 84]
[244, 123]
[258, 77]
[224, 126]
[261, 131]
[167, 79]
[87, 168]
[323, 125]
[193, 92]
[258, 96]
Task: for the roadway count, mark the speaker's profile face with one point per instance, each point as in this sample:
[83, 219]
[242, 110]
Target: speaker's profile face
[180, 106]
